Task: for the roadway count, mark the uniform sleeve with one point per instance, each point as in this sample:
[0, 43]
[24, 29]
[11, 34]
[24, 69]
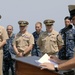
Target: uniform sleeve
[60, 40]
[31, 40]
[14, 41]
[39, 43]
[4, 34]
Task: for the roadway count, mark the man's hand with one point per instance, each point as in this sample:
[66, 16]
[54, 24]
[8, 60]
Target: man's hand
[19, 54]
[48, 66]
[55, 59]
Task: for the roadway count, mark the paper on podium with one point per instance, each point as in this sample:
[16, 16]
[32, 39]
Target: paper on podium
[45, 58]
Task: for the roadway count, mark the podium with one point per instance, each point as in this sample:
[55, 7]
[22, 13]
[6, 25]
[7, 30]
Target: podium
[28, 66]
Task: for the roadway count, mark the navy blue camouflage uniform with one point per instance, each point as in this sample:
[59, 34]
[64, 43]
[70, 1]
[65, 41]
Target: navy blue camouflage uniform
[36, 51]
[8, 63]
[67, 52]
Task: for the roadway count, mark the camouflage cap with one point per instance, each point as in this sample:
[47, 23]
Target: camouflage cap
[49, 22]
[22, 23]
[71, 10]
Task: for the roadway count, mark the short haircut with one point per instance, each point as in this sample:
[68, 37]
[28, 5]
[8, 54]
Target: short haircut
[67, 17]
[39, 23]
[11, 26]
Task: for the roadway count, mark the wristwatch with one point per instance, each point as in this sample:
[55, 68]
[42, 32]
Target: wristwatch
[56, 68]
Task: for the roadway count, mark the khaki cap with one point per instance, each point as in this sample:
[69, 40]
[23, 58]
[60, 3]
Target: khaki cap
[71, 10]
[22, 23]
[49, 22]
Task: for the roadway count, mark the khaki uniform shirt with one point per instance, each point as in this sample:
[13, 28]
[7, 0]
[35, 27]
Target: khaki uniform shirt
[49, 43]
[22, 41]
[3, 34]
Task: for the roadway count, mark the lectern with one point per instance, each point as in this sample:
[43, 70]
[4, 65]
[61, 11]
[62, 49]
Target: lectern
[29, 66]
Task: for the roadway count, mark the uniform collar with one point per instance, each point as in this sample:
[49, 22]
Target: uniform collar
[39, 33]
[51, 33]
[22, 34]
[10, 35]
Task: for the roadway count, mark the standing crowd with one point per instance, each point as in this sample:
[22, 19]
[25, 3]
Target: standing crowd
[55, 44]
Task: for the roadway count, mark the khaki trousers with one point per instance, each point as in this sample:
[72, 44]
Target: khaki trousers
[1, 62]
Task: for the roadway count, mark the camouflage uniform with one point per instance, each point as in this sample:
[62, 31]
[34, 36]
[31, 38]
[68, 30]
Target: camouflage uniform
[67, 51]
[7, 60]
[35, 50]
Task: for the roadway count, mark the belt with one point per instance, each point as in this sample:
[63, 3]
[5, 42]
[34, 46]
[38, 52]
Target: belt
[52, 53]
[71, 72]
[20, 50]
